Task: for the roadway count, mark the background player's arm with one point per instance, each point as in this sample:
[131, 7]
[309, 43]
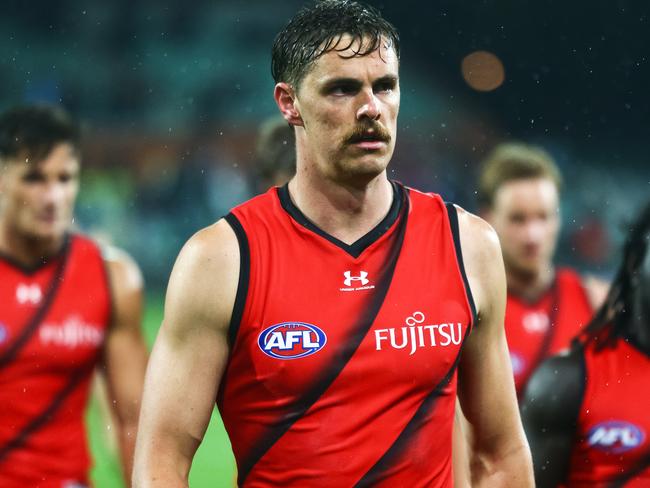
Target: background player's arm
[188, 358]
[125, 353]
[550, 411]
[500, 456]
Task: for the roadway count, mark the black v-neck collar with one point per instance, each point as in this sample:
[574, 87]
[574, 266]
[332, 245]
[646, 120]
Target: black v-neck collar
[45, 261]
[356, 248]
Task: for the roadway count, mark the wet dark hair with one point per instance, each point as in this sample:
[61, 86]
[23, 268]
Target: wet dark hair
[30, 132]
[612, 318]
[317, 29]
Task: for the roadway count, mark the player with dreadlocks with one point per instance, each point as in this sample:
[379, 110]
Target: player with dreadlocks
[585, 413]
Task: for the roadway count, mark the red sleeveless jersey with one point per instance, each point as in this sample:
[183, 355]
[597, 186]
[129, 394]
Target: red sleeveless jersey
[612, 446]
[537, 330]
[342, 367]
[52, 325]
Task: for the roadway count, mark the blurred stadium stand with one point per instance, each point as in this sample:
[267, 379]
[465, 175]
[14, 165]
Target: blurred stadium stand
[172, 96]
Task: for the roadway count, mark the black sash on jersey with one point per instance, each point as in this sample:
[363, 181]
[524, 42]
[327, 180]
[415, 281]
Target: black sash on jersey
[374, 474]
[48, 412]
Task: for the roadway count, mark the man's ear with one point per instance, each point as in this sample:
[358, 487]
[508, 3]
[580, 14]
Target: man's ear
[285, 97]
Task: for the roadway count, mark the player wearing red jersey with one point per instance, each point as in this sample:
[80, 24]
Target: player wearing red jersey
[546, 306]
[66, 308]
[586, 412]
[327, 317]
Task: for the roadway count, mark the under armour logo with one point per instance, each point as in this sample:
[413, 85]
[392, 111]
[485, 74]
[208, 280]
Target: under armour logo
[28, 294]
[363, 275]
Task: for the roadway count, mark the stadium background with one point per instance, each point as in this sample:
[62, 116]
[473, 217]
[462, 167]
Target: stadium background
[172, 95]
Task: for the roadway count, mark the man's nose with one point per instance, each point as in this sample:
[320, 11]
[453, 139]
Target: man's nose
[53, 192]
[370, 107]
[535, 231]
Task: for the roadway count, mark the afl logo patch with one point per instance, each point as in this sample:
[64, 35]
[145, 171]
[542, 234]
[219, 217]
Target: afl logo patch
[291, 340]
[615, 436]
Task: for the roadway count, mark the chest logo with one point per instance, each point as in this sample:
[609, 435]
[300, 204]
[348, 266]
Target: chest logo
[362, 278]
[31, 294]
[615, 436]
[291, 340]
[536, 322]
[356, 282]
[417, 335]
[71, 333]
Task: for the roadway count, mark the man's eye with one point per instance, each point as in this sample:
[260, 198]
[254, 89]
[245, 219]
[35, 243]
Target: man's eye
[342, 90]
[65, 178]
[33, 178]
[517, 219]
[384, 87]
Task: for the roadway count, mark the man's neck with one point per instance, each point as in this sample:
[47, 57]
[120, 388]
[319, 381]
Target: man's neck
[342, 211]
[530, 286]
[26, 250]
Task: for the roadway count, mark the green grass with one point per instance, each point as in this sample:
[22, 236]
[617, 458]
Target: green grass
[213, 466]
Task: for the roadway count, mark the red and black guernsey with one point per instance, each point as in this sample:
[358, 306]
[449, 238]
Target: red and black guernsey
[612, 446]
[53, 320]
[537, 330]
[342, 367]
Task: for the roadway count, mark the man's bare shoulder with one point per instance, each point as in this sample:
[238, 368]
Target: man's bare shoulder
[123, 270]
[482, 260]
[477, 237]
[212, 246]
[203, 283]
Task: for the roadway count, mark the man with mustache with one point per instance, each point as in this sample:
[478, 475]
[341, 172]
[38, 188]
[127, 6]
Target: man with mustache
[327, 316]
[67, 308]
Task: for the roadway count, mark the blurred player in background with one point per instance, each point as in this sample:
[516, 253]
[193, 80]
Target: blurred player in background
[586, 412]
[67, 308]
[547, 306]
[275, 154]
[327, 316]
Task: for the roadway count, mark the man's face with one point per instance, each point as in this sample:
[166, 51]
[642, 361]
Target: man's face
[348, 107]
[525, 214]
[37, 199]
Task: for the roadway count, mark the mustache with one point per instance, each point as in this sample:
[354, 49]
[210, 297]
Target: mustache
[369, 132]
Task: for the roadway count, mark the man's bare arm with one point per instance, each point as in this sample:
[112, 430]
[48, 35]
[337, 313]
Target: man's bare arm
[188, 358]
[125, 353]
[500, 456]
[460, 454]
